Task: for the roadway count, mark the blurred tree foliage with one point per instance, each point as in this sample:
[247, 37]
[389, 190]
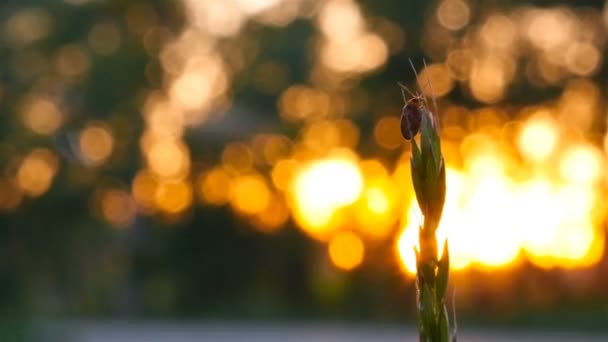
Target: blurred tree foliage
[58, 258]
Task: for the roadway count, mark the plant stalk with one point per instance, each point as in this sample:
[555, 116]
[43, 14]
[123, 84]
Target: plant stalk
[428, 178]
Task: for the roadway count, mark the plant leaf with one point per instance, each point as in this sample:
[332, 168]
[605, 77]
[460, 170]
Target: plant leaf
[444, 325]
[443, 273]
[426, 310]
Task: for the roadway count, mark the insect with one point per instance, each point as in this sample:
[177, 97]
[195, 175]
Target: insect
[411, 114]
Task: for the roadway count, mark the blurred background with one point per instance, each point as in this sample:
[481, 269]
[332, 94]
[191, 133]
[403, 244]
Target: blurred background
[241, 161]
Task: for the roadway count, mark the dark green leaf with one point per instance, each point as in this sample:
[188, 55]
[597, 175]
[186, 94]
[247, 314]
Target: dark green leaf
[418, 181]
[444, 325]
[426, 309]
[443, 273]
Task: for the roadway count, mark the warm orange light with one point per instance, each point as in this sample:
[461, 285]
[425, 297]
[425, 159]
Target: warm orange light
[365, 53]
[96, 143]
[299, 102]
[407, 240]
[346, 250]
[340, 20]
[249, 194]
[237, 157]
[253, 7]
[347, 46]
[163, 119]
[579, 104]
[72, 61]
[551, 28]
[37, 171]
[202, 81]
[321, 136]
[173, 197]
[538, 138]
[280, 14]
[499, 31]
[581, 164]
[10, 195]
[583, 58]
[491, 220]
[435, 80]
[276, 148]
[321, 188]
[460, 63]
[215, 186]
[489, 78]
[144, 189]
[217, 17]
[168, 157]
[375, 211]
[282, 173]
[117, 207]
[27, 26]
[558, 226]
[377, 201]
[527, 189]
[273, 217]
[453, 14]
[42, 115]
[387, 133]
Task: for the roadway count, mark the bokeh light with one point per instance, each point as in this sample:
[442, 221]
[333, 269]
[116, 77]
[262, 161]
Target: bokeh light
[282, 117]
[96, 143]
[453, 14]
[321, 189]
[249, 194]
[538, 138]
[41, 115]
[320, 177]
[173, 197]
[346, 250]
[36, 172]
[117, 207]
[28, 26]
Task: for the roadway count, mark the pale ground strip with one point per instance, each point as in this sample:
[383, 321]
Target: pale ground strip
[157, 331]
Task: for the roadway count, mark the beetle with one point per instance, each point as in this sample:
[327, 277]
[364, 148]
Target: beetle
[411, 114]
[411, 117]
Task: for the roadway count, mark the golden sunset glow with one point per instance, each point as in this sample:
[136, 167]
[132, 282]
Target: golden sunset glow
[524, 183]
[533, 198]
[245, 160]
[494, 220]
[526, 179]
[321, 189]
[538, 138]
[346, 250]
